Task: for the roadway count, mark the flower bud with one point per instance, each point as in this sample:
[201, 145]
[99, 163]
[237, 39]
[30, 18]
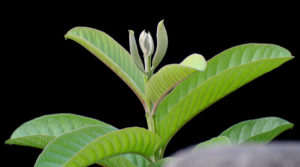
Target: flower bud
[146, 43]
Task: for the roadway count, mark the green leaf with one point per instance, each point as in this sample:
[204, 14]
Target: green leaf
[134, 51]
[138, 160]
[162, 45]
[225, 73]
[125, 160]
[86, 146]
[161, 162]
[216, 141]
[170, 75]
[117, 161]
[112, 54]
[196, 61]
[166, 79]
[260, 130]
[40, 131]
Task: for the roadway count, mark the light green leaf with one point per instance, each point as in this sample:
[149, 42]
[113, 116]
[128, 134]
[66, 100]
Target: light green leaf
[260, 130]
[166, 79]
[125, 160]
[162, 45]
[161, 162]
[112, 54]
[40, 131]
[117, 161]
[134, 51]
[196, 61]
[216, 141]
[225, 73]
[170, 75]
[86, 146]
[137, 159]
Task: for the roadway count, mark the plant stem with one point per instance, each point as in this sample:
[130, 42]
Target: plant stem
[148, 109]
[147, 61]
[150, 122]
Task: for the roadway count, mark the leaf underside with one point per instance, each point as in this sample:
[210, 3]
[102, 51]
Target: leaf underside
[225, 73]
[162, 44]
[260, 130]
[86, 146]
[112, 54]
[134, 51]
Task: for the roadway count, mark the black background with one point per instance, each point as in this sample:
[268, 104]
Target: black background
[42, 73]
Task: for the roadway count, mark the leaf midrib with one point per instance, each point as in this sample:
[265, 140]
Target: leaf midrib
[219, 73]
[286, 124]
[141, 93]
[94, 141]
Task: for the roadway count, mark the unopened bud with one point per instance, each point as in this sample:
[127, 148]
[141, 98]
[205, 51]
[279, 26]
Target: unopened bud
[146, 43]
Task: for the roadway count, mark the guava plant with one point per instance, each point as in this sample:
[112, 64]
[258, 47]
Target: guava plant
[171, 97]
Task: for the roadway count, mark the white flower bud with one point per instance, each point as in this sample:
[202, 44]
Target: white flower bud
[146, 43]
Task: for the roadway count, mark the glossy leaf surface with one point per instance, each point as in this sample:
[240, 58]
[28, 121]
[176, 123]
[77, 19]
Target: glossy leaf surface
[86, 146]
[260, 130]
[225, 73]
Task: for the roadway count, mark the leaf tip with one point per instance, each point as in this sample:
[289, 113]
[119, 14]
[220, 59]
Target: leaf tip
[7, 142]
[67, 35]
[131, 32]
[161, 25]
[161, 22]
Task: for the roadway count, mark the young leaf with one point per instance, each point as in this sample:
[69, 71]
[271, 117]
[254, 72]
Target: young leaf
[260, 130]
[40, 131]
[216, 141]
[225, 73]
[196, 61]
[86, 146]
[112, 54]
[162, 45]
[170, 75]
[134, 51]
